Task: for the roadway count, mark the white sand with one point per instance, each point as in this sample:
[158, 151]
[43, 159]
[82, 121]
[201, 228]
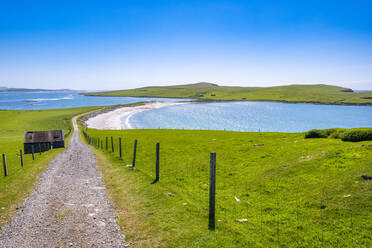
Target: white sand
[112, 119]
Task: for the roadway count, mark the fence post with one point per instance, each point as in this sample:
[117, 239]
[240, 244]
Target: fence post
[120, 147]
[39, 149]
[112, 144]
[101, 144]
[106, 143]
[134, 153]
[20, 153]
[4, 164]
[157, 161]
[212, 192]
[33, 151]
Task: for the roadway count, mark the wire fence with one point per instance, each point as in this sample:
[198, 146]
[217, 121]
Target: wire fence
[15, 162]
[274, 211]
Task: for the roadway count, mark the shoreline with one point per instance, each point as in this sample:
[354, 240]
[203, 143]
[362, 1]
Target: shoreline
[202, 100]
[112, 119]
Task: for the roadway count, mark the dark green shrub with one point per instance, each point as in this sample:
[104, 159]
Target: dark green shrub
[355, 135]
[320, 133]
[337, 134]
[315, 134]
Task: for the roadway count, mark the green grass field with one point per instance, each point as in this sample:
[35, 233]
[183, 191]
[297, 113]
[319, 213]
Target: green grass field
[319, 93]
[19, 182]
[289, 192]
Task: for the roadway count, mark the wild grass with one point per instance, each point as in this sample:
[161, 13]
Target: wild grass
[318, 93]
[20, 180]
[288, 192]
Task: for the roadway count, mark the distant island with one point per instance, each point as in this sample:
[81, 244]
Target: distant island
[6, 89]
[296, 93]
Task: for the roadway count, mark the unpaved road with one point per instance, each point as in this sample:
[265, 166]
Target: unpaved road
[69, 207]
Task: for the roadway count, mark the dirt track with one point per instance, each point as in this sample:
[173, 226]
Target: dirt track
[69, 207]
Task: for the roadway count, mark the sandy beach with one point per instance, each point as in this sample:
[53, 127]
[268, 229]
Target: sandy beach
[112, 120]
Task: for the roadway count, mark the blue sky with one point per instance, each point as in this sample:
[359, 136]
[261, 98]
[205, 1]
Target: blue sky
[125, 44]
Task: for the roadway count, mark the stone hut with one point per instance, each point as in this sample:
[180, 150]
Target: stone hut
[41, 141]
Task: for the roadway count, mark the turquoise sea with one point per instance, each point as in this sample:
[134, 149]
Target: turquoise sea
[254, 116]
[18, 100]
[237, 116]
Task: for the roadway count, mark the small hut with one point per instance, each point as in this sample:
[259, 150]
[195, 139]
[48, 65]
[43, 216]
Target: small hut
[41, 141]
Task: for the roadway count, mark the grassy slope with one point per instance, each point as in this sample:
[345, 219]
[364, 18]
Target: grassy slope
[298, 190]
[320, 93]
[20, 181]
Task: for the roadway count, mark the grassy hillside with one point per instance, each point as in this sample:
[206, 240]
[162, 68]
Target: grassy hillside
[319, 93]
[273, 189]
[20, 181]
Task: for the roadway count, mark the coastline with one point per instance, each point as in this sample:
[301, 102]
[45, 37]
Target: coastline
[202, 100]
[112, 119]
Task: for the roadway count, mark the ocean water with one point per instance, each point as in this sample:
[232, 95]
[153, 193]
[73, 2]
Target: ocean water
[237, 116]
[61, 99]
[254, 116]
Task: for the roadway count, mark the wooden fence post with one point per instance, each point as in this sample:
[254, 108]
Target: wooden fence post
[33, 151]
[157, 161]
[120, 147]
[20, 154]
[4, 165]
[112, 144]
[39, 149]
[106, 143]
[134, 153]
[101, 144]
[212, 192]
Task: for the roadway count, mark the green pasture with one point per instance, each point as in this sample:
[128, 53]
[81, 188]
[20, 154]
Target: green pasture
[273, 189]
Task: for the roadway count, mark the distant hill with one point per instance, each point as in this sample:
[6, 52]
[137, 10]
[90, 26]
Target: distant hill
[296, 93]
[201, 85]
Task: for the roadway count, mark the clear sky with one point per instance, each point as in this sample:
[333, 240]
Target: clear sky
[90, 44]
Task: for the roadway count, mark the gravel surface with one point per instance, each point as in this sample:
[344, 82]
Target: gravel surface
[69, 207]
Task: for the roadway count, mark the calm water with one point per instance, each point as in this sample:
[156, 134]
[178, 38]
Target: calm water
[238, 116]
[61, 99]
[254, 116]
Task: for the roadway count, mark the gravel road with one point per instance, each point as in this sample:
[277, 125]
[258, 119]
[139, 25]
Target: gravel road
[69, 207]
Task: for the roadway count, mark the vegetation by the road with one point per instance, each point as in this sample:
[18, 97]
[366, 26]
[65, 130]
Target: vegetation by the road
[19, 182]
[273, 189]
[320, 93]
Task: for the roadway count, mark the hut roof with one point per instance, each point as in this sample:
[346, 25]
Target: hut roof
[43, 136]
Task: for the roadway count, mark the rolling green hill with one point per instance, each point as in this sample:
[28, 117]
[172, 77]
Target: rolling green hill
[318, 93]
